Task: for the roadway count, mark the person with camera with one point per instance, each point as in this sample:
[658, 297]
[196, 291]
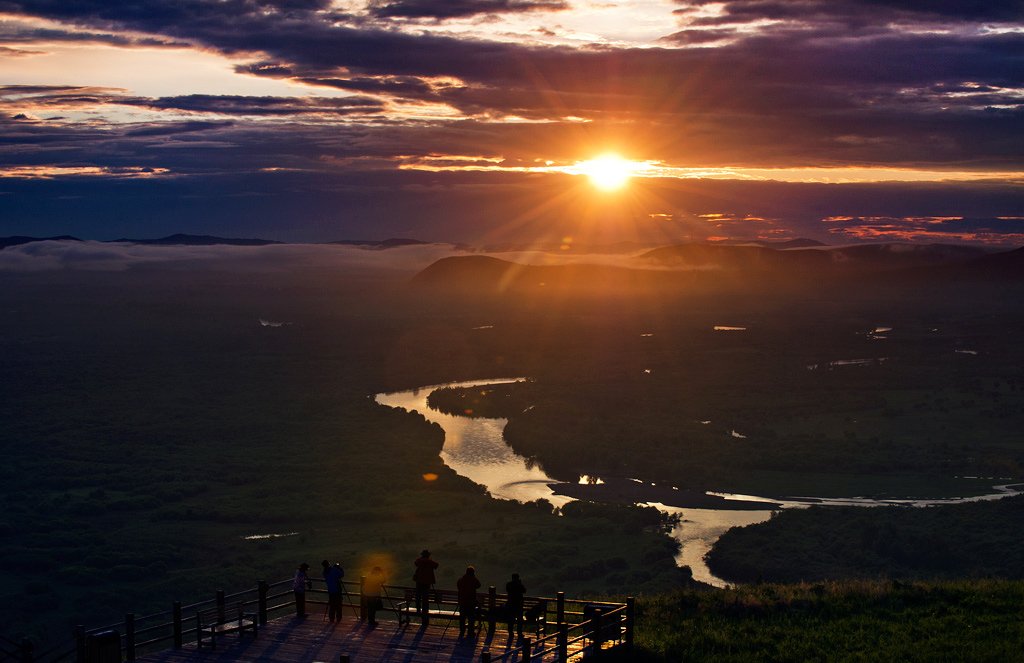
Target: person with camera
[332, 578]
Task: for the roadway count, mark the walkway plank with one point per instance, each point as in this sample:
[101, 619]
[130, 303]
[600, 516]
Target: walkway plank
[313, 640]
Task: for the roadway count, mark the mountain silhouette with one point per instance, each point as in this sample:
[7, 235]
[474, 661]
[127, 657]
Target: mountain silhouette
[181, 239]
[713, 266]
[391, 243]
[799, 263]
[489, 274]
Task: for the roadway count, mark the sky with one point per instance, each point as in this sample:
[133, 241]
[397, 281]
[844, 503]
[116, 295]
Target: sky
[477, 121]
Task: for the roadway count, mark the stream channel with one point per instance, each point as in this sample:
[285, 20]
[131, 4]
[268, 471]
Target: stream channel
[474, 447]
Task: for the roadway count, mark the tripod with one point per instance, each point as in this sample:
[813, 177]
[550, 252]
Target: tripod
[341, 585]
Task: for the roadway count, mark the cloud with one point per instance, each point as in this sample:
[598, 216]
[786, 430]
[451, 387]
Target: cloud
[806, 92]
[15, 32]
[744, 83]
[446, 9]
[854, 13]
[245, 105]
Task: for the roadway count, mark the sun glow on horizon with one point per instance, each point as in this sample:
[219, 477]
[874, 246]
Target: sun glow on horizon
[607, 172]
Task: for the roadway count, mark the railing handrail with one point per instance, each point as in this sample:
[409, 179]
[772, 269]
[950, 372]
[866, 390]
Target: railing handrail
[272, 603]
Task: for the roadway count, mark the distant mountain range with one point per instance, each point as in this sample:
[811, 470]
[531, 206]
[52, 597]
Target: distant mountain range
[855, 258]
[702, 265]
[489, 274]
[181, 239]
[693, 263]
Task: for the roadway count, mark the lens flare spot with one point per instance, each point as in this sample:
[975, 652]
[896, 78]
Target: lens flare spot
[430, 476]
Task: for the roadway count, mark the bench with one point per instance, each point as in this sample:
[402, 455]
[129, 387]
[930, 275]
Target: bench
[223, 619]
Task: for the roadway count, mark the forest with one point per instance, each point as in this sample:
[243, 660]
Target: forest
[155, 423]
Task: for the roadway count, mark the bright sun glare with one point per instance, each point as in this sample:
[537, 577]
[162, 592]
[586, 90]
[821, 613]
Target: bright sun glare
[607, 172]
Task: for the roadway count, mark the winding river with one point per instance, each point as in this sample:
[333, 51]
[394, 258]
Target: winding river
[474, 447]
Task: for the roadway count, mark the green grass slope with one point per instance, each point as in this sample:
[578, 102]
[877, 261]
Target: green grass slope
[857, 621]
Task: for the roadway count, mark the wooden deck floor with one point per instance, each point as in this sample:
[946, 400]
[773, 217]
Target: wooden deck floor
[313, 640]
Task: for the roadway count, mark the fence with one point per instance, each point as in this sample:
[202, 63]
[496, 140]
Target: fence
[593, 625]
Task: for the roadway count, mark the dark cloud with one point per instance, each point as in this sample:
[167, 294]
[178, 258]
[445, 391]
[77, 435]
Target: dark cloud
[7, 51]
[704, 36]
[246, 105]
[13, 32]
[445, 9]
[839, 83]
[861, 12]
[175, 128]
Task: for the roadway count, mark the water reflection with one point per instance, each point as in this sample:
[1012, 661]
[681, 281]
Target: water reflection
[697, 531]
[474, 447]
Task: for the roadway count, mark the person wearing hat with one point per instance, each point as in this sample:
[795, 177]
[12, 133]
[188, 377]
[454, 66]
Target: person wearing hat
[424, 579]
[302, 581]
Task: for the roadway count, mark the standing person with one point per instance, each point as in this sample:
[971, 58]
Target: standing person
[516, 591]
[371, 590]
[467, 585]
[424, 579]
[302, 582]
[332, 578]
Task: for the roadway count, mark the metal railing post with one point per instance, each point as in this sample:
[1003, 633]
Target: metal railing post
[492, 605]
[362, 597]
[79, 634]
[561, 608]
[595, 626]
[263, 588]
[344, 658]
[630, 621]
[527, 650]
[221, 614]
[26, 650]
[129, 636]
[563, 642]
[176, 611]
[485, 657]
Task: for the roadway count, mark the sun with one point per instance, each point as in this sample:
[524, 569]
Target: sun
[607, 172]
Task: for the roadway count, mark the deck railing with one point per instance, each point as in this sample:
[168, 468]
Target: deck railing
[594, 625]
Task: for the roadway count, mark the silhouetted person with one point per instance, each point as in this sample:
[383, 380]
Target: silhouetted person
[424, 579]
[516, 592]
[467, 585]
[371, 590]
[332, 578]
[302, 581]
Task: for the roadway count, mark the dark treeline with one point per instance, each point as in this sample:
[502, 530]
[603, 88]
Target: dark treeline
[979, 539]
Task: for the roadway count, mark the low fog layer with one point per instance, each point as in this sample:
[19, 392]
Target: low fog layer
[52, 255]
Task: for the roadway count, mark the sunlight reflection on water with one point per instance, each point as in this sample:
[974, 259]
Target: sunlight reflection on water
[475, 448]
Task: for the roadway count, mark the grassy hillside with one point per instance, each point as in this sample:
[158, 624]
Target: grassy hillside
[863, 622]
